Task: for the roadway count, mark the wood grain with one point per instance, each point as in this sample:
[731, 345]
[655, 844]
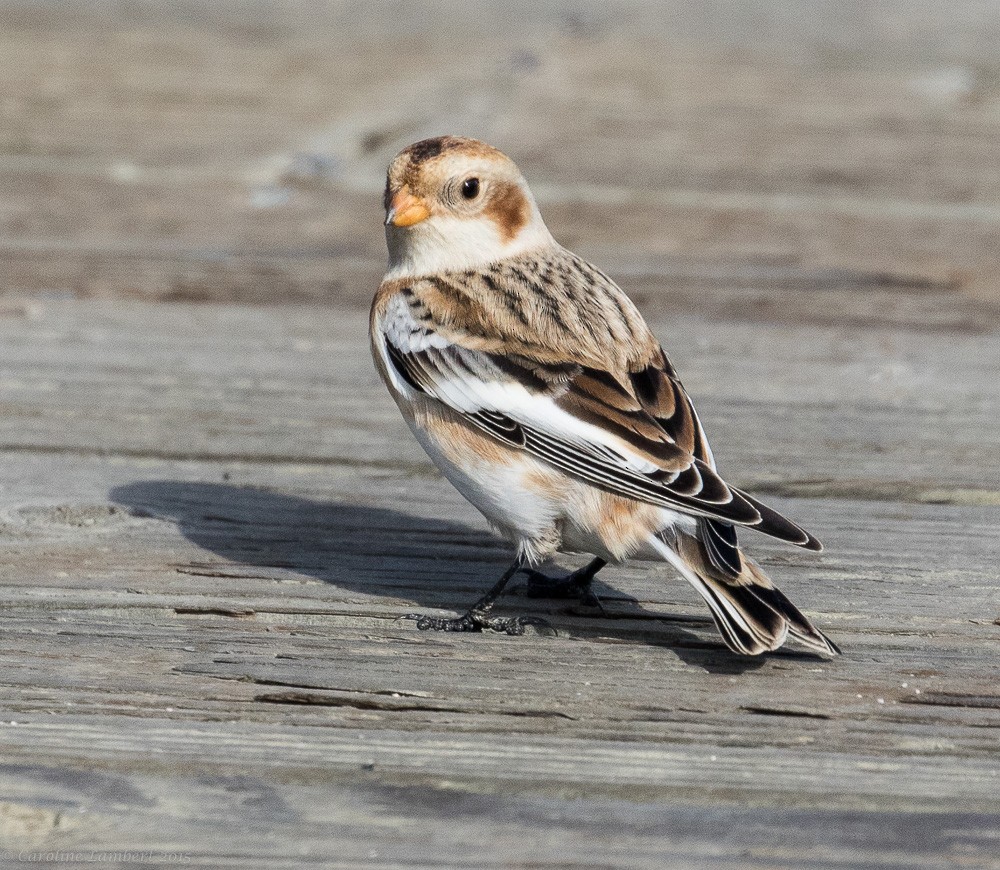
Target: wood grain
[212, 521]
[212, 518]
[236, 151]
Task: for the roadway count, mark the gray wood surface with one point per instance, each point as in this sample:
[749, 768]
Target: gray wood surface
[212, 521]
[212, 518]
[236, 149]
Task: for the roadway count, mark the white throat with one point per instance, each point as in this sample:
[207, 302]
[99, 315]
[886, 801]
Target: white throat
[443, 243]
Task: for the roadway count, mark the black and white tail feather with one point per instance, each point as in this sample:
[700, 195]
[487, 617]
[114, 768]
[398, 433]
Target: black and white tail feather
[752, 614]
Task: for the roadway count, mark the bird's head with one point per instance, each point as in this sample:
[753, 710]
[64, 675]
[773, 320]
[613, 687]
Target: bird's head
[453, 204]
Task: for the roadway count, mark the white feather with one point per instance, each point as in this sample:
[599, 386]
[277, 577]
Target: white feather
[498, 490]
[539, 412]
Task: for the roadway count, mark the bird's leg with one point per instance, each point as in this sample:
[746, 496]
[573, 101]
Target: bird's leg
[478, 616]
[575, 585]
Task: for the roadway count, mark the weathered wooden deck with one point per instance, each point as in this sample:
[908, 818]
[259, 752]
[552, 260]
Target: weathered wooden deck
[212, 517]
[212, 521]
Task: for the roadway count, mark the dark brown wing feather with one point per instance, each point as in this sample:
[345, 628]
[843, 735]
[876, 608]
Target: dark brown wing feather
[649, 403]
[653, 409]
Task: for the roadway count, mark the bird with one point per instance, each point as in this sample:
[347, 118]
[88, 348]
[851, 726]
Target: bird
[538, 390]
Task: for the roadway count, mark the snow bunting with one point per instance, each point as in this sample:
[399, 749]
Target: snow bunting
[539, 391]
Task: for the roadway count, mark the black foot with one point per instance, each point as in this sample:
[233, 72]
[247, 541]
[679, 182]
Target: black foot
[472, 621]
[574, 586]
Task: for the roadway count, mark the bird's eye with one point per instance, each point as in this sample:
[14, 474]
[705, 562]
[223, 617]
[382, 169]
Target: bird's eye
[470, 188]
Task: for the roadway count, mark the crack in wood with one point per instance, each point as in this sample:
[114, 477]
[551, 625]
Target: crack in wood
[358, 701]
[954, 699]
[384, 703]
[194, 610]
[785, 711]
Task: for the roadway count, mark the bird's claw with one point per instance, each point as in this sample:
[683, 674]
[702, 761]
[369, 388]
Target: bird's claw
[441, 623]
[472, 621]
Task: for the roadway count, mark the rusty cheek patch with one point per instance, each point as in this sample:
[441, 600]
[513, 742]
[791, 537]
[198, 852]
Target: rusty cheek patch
[508, 209]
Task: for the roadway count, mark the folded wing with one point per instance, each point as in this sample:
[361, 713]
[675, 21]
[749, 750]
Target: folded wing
[634, 434]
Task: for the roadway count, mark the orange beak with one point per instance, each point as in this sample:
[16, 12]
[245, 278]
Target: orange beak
[405, 209]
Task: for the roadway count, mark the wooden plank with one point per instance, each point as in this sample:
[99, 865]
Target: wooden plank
[204, 651]
[413, 824]
[224, 138]
[297, 385]
[212, 518]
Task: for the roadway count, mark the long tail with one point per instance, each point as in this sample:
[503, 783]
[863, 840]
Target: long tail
[751, 613]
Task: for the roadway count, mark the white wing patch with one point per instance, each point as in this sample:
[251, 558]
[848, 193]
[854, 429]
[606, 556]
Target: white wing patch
[467, 382]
